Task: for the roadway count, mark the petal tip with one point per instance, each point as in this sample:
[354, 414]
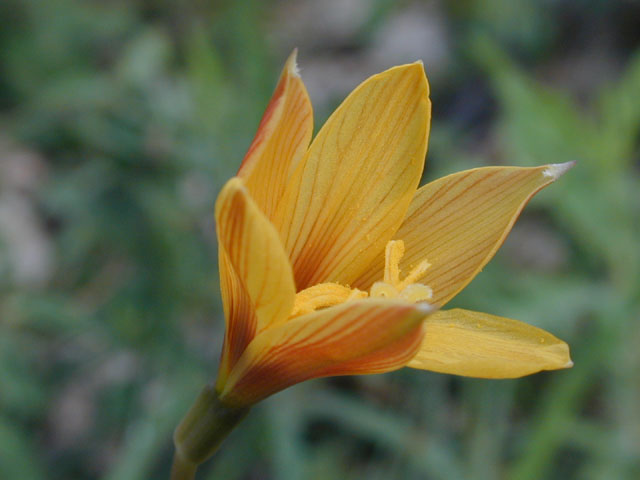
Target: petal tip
[569, 364]
[292, 63]
[233, 187]
[416, 71]
[416, 68]
[556, 170]
[235, 183]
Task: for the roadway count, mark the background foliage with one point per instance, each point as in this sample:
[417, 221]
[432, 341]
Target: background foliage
[119, 122]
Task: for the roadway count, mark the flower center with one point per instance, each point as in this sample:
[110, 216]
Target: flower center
[326, 295]
[408, 288]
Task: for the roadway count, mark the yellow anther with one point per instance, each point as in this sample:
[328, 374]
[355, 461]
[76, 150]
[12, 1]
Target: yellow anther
[323, 295]
[329, 294]
[357, 294]
[384, 290]
[392, 255]
[416, 292]
[407, 289]
[416, 274]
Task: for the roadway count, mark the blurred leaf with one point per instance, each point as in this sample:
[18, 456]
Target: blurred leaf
[18, 458]
[145, 58]
[619, 108]
[389, 429]
[542, 126]
[147, 437]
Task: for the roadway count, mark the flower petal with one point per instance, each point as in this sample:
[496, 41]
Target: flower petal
[356, 337]
[255, 273]
[458, 222]
[474, 344]
[280, 142]
[352, 189]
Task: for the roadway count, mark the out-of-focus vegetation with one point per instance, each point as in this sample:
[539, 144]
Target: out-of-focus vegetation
[120, 121]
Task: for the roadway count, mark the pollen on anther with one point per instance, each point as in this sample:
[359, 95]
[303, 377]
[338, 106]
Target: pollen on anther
[407, 289]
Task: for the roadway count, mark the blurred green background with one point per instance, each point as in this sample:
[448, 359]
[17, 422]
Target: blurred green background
[119, 122]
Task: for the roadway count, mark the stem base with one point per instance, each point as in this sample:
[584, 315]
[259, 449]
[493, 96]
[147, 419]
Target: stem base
[201, 431]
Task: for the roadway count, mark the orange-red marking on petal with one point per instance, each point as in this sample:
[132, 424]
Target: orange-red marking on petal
[458, 222]
[351, 191]
[255, 273]
[280, 142]
[357, 337]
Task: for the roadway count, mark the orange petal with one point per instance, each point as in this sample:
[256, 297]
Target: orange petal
[255, 273]
[352, 189]
[458, 222]
[477, 344]
[281, 141]
[357, 337]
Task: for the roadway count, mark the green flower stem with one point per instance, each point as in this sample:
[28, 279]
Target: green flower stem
[182, 469]
[201, 431]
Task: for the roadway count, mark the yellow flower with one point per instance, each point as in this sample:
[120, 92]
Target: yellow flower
[334, 262]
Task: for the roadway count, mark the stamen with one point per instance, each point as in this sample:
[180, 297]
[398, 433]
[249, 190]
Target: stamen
[329, 294]
[323, 295]
[407, 289]
[416, 292]
[384, 290]
[416, 274]
[392, 255]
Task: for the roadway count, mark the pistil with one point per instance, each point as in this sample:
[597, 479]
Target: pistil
[325, 295]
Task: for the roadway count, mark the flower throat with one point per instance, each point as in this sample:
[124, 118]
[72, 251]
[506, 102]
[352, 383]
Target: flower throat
[325, 295]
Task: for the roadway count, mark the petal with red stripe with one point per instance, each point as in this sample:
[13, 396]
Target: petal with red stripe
[255, 274]
[281, 141]
[349, 194]
[356, 337]
[458, 222]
